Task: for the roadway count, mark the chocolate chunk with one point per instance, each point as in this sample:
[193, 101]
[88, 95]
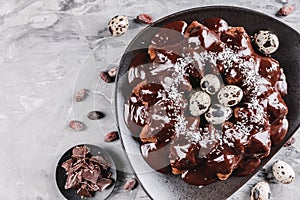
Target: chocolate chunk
[101, 161]
[67, 164]
[77, 166]
[286, 10]
[83, 192]
[94, 115]
[112, 136]
[93, 187]
[144, 18]
[130, 184]
[76, 125]
[80, 151]
[104, 183]
[72, 181]
[105, 77]
[81, 95]
[90, 175]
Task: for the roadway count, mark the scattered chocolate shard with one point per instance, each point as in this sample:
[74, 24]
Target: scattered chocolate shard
[101, 161]
[91, 166]
[71, 181]
[94, 115]
[90, 175]
[112, 136]
[93, 187]
[80, 152]
[144, 18]
[80, 95]
[67, 164]
[286, 10]
[77, 166]
[83, 191]
[104, 183]
[76, 125]
[130, 184]
[106, 77]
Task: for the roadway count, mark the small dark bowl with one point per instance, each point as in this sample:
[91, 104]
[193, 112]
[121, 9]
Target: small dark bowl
[61, 175]
[168, 186]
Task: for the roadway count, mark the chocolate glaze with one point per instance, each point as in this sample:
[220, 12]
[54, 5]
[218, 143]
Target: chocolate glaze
[200, 176]
[216, 24]
[157, 156]
[247, 167]
[171, 139]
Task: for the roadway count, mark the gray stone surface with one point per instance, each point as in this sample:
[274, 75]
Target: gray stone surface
[51, 48]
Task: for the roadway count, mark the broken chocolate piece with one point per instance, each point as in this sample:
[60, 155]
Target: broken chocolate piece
[80, 152]
[67, 164]
[83, 192]
[104, 183]
[90, 175]
[101, 161]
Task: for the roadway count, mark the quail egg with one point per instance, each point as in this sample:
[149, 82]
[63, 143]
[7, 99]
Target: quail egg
[118, 25]
[210, 83]
[218, 114]
[199, 103]
[266, 42]
[283, 172]
[230, 95]
[261, 191]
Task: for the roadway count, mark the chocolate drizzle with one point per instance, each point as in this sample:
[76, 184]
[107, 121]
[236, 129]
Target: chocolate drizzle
[163, 80]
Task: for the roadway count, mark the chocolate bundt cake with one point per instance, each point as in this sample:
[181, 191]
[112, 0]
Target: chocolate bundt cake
[204, 103]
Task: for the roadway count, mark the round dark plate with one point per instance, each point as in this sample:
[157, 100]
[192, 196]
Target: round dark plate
[168, 186]
[61, 175]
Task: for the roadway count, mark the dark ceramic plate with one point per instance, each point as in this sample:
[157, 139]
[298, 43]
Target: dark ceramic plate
[61, 175]
[162, 186]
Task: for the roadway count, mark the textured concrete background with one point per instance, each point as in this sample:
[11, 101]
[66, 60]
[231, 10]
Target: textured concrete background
[48, 50]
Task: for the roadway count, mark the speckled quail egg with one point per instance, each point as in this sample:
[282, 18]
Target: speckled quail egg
[266, 42]
[218, 114]
[210, 83]
[118, 25]
[199, 103]
[230, 95]
[261, 191]
[283, 172]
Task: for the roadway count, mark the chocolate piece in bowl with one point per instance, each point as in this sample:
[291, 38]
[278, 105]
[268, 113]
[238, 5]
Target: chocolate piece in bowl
[85, 171]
